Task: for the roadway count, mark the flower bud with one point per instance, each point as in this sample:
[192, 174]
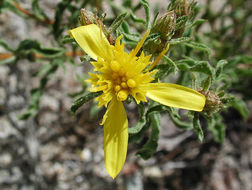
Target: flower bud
[184, 10]
[164, 27]
[87, 17]
[213, 102]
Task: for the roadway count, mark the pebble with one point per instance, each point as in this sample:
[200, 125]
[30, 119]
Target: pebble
[153, 172]
[6, 129]
[5, 159]
[2, 96]
[86, 155]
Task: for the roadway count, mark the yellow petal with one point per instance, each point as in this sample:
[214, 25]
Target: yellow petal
[115, 137]
[92, 40]
[175, 96]
[140, 44]
[159, 57]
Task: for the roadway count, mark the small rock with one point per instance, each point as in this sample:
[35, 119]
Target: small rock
[4, 71]
[99, 155]
[2, 96]
[5, 159]
[153, 172]
[16, 101]
[134, 182]
[47, 118]
[86, 155]
[6, 129]
[13, 83]
[50, 102]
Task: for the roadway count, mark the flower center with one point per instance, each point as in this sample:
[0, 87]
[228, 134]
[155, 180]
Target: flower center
[122, 84]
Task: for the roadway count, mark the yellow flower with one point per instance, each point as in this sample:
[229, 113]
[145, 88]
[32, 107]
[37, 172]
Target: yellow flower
[119, 74]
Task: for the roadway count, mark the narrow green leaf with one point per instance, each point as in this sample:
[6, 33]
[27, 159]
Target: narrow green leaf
[8, 61]
[61, 7]
[44, 70]
[241, 107]
[156, 108]
[142, 121]
[199, 46]
[203, 67]
[171, 63]
[180, 40]
[197, 66]
[127, 3]
[138, 127]
[136, 19]
[132, 37]
[7, 5]
[37, 11]
[219, 67]
[84, 99]
[207, 84]
[27, 48]
[5, 45]
[174, 116]
[117, 22]
[28, 113]
[125, 27]
[197, 22]
[67, 40]
[197, 127]
[146, 6]
[217, 127]
[151, 146]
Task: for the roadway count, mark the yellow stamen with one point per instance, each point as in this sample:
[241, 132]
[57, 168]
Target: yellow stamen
[124, 85]
[131, 83]
[122, 95]
[117, 88]
[115, 66]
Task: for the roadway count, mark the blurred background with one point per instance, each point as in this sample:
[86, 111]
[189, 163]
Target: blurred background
[56, 150]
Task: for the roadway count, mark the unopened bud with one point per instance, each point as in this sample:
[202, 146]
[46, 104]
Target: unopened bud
[184, 10]
[87, 17]
[164, 27]
[213, 102]
[183, 7]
